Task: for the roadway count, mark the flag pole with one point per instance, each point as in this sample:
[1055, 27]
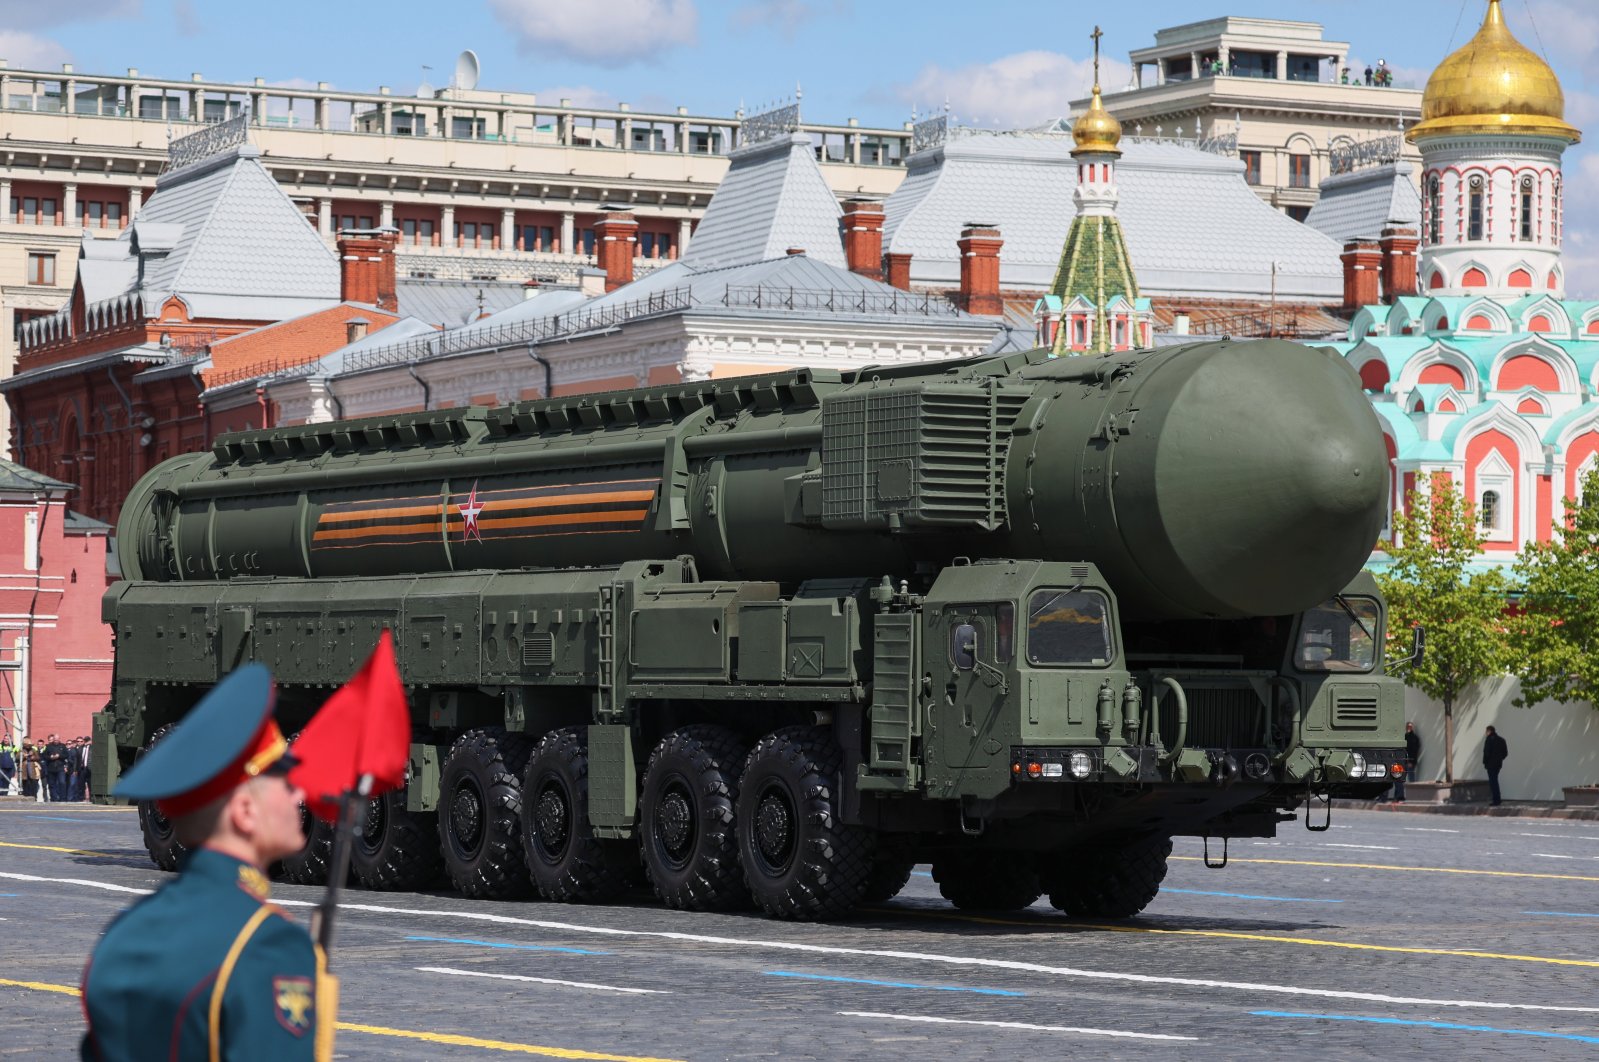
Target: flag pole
[351, 806]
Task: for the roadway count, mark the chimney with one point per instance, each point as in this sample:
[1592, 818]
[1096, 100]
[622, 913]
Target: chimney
[899, 270]
[615, 237]
[979, 246]
[863, 237]
[355, 329]
[530, 288]
[366, 267]
[1362, 261]
[792, 251]
[1180, 323]
[1398, 262]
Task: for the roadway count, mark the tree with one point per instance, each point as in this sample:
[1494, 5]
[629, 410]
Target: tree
[1432, 584]
[1556, 631]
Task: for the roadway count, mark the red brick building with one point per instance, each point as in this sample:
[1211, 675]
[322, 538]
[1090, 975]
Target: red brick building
[55, 654]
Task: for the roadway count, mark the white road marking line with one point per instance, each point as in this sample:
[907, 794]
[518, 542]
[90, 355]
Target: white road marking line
[1373, 847]
[106, 885]
[1550, 855]
[932, 958]
[543, 981]
[1560, 836]
[1028, 1026]
[1426, 829]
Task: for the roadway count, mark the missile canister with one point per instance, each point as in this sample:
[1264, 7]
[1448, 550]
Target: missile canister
[1209, 479]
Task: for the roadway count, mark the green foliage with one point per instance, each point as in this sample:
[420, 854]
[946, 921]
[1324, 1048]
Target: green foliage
[1430, 584]
[1556, 633]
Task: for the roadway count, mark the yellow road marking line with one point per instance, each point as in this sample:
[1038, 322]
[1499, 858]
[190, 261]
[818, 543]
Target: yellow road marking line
[1418, 870]
[412, 1034]
[52, 848]
[1072, 927]
[40, 986]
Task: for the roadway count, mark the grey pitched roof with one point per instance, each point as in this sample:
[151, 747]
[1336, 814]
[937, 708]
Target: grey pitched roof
[1360, 204]
[14, 477]
[773, 197]
[1193, 227]
[448, 303]
[223, 236]
[84, 524]
[332, 364]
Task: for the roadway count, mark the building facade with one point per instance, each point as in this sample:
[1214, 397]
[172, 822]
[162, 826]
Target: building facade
[1276, 84]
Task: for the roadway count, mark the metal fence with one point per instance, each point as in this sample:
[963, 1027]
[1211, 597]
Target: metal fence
[827, 300]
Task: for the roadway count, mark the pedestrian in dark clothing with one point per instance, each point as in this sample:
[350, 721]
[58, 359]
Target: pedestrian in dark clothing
[1494, 753]
[30, 773]
[74, 771]
[55, 758]
[1412, 754]
[1368, 75]
[8, 769]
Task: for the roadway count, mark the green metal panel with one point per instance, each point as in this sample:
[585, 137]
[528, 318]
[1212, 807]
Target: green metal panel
[422, 780]
[613, 783]
[762, 641]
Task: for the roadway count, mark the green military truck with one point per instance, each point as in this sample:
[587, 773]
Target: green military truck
[779, 638]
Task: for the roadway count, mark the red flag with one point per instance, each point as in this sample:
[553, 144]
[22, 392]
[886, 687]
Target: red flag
[364, 728]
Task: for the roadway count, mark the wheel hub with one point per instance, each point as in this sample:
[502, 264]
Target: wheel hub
[372, 825]
[774, 829]
[674, 823]
[466, 816]
[550, 815]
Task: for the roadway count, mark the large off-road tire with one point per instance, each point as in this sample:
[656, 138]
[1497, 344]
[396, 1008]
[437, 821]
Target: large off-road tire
[1114, 882]
[988, 881]
[688, 840]
[311, 864]
[800, 860]
[568, 864]
[396, 849]
[159, 839]
[891, 872]
[480, 814]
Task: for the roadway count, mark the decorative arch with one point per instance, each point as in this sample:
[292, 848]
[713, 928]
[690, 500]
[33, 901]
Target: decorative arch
[1435, 280]
[1554, 279]
[1440, 364]
[1474, 277]
[1546, 315]
[1590, 325]
[1374, 376]
[1519, 277]
[1532, 403]
[1536, 363]
[1498, 431]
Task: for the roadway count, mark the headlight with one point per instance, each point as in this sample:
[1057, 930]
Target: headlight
[1359, 770]
[1082, 765]
[1376, 770]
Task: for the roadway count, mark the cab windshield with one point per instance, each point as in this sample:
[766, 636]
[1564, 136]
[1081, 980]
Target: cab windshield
[1338, 635]
[1068, 628]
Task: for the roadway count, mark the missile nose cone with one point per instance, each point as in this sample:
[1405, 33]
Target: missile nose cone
[1270, 478]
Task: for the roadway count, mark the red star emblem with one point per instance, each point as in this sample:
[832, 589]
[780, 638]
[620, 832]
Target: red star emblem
[469, 514]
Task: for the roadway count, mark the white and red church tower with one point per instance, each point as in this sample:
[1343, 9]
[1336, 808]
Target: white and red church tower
[1485, 375]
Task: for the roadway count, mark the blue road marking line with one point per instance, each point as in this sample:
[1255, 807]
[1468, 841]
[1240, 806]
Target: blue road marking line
[1563, 914]
[62, 818]
[1248, 896]
[891, 984]
[508, 947]
[1430, 1025]
[9, 895]
[921, 873]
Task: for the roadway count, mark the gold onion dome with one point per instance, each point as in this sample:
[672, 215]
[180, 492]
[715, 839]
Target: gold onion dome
[1097, 131]
[1494, 85]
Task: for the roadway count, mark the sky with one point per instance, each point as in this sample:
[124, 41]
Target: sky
[1003, 63]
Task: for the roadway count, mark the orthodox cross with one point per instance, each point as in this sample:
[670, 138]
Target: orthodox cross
[1098, 33]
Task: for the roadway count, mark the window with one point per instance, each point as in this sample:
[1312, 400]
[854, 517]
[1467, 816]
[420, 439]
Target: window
[1299, 171]
[33, 210]
[30, 541]
[1299, 213]
[415, 231]
[990, 629]
[1068, 628]
[1251, 161]
[467, 128]
[355, 221]
[41, 267]
[1488, 510]
[1339, 634]
[1474, 210]
[1526, 208]
[587, 238]
[1435, 210]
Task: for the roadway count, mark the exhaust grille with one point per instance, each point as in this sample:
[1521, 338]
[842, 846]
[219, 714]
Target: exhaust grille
[538, 650]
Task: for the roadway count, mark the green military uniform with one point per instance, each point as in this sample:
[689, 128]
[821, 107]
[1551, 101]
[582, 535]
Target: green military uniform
[206, 968]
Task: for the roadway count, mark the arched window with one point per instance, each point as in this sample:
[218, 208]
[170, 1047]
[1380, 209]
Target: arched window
[1474, 278]
[1435, 211]
[1488, 511]
[1436, 280]
[1479, 321]
[1519, 278]
[1526, 208]
[1474, 210]
[1539, 323]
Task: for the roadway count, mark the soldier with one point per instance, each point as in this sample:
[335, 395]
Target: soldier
[206, 968]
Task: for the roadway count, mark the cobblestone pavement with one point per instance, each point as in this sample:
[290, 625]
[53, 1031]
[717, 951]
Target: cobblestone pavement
[1389, 936]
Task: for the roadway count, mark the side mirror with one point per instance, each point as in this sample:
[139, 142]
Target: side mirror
[1418, 645]
[965, 647]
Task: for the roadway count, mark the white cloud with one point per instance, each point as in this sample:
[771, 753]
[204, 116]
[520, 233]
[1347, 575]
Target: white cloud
[1023, 89]
[27, 51]
[1579, 252]
[630, 31]
[580, 95]
[32, 14]
[1570, 30]
[787, 15]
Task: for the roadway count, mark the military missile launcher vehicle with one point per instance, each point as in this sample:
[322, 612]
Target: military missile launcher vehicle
[781, 637]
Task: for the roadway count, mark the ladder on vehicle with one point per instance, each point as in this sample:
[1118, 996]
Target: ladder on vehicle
[606, 706]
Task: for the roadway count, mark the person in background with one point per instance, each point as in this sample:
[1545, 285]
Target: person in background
[31, 774]
[54, 757]
[1412, 753]
[74, 770]
[8, 769]
[1495, 750]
